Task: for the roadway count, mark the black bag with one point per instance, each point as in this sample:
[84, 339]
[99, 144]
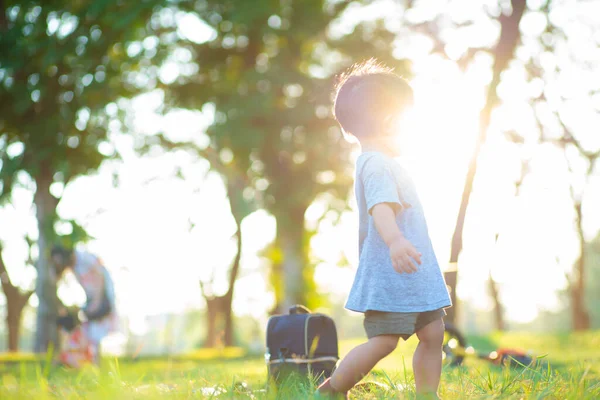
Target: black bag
[301, 343]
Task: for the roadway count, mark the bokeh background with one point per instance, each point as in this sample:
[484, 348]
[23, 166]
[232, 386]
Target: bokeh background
[191, 145]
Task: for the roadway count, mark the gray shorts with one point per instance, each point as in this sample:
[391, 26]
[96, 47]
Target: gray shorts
[397, 323]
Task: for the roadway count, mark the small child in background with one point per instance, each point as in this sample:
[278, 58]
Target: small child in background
[75, 349]
[100, 311]
[398, 285]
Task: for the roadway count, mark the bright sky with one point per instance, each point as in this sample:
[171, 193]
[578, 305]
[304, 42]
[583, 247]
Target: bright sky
[159, 235]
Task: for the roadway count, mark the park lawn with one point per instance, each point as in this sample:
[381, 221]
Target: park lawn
[569, 370]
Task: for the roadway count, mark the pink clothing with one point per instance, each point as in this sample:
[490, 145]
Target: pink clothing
[76, 349]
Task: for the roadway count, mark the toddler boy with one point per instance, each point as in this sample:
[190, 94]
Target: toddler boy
[398, 285]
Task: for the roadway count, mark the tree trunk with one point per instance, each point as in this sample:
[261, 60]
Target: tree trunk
[228, 338]
[46, 329]
[212, 314]
[580, 315]
[15, 303]
[219, 322]
[14, 314]
[495, 295]
[498, 308]
[13, 322]
[503, 53]
[289, 272]
[219, 314]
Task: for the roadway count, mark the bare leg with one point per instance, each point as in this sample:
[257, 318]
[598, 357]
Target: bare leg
[427, 360]
[359, 362]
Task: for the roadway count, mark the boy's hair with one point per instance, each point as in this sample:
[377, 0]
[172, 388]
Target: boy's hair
[366, 95]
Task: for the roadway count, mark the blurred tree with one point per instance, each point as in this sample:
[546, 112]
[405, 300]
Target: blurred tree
[220, 307]
[578, 186]
[494, 288]
[567, 117]
[593, 282]
[267, 66]
[502, 53]
[61, 63]
[548, 65]
[16, 300]
[463, 46]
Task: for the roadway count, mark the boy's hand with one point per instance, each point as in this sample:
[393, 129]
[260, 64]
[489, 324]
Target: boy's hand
[402, 253]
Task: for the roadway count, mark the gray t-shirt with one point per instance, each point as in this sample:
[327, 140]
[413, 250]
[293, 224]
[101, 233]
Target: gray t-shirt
[377, 286]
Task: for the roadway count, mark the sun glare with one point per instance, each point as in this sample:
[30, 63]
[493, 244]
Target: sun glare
[436, 139]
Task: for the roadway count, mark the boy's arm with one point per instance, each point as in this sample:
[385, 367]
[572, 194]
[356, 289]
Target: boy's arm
[401, 250]
[383, 203]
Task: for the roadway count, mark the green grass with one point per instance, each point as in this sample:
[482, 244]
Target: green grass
[570, 370]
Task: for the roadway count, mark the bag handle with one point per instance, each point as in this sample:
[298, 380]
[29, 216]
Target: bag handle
[299, 309]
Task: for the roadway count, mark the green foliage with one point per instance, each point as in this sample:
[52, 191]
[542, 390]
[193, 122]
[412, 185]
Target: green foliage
[61, 67]
[78, 234]
[61, 63]
[266, 101]
[268, 70]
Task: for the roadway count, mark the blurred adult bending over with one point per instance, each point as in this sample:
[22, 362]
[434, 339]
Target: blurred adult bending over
[99, 310]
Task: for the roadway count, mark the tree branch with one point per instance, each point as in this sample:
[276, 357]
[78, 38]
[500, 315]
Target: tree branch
[4, 277]
[8, 287]
[206, 297]
[24, 298]
[570, 139]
